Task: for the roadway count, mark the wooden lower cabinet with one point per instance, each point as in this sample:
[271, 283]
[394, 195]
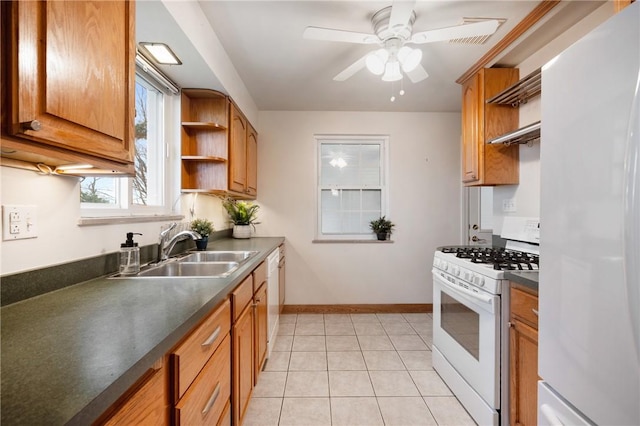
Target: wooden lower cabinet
[523, 369]
[243, 362]
[146, 404]
[201, 371]
[206, 399]
[208, 377]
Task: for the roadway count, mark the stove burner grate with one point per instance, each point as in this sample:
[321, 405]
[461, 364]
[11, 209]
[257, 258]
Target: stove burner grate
[500, 258]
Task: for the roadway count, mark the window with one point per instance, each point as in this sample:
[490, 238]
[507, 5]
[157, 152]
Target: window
[351, 185]
[146, 192]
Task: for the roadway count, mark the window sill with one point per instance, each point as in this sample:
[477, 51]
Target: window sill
[352, 242]
[112, 220]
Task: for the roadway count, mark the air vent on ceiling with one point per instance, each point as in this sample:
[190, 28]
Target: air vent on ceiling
[477, 39]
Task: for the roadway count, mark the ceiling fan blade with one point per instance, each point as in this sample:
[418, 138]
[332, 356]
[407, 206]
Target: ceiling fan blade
[459, 31]
[352, 69]
[328, 34]
[418, 74]
[401, 13]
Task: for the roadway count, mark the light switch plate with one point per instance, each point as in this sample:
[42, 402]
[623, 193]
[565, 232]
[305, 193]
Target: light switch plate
[509, 206]
[19, 222]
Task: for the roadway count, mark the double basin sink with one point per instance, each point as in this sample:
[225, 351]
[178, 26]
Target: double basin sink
[200, 264]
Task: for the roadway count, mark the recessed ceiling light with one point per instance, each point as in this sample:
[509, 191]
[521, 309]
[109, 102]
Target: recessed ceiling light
[161, 53]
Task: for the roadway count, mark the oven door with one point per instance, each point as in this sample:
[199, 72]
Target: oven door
[466, 330]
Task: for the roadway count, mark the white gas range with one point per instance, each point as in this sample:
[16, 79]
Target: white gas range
[470, 311]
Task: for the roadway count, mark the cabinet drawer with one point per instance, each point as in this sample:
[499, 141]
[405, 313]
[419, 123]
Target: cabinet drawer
[524, 306]
[241, 296]
[206, 400]
[193, 353]
[259, 276]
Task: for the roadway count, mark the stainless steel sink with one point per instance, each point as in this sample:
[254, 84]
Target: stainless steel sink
[190, 269]
[218, 256]
[201, 264]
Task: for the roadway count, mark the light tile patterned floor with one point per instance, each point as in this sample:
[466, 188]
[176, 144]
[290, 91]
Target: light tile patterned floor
[358, 369]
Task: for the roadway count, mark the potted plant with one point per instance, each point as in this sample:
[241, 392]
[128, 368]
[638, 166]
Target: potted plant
[204, 227]
[243, 215]
[382, 227]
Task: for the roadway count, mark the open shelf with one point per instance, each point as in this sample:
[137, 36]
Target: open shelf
[203, 158]
[203, 125]
[520, 136]
[520, 92]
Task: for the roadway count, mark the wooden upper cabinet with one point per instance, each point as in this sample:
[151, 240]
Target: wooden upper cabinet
[484, 164]
[238, 151]
[252, 161]
[219, 146]
[69, 83]
[621, 4]
[243, 155]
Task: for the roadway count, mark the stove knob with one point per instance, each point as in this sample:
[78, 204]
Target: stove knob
[445, 266]
[481, 283]
[436, 262]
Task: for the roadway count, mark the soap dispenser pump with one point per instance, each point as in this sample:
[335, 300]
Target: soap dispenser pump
[129, 255]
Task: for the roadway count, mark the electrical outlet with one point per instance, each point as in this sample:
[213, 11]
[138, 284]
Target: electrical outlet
[19, 222]
[509, 206]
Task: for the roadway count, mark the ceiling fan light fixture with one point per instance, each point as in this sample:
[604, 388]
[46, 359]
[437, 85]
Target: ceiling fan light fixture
[409, 58]
[392, 71]
[376, 61]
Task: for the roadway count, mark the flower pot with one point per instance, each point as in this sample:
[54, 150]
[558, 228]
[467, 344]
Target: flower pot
[201, 244]
[382, 236]
[241, 231]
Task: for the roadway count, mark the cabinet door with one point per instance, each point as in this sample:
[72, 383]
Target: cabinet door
[72, 74]
[472, 128]
[524, 374]
[148, 404]
[252, 161]
[242, 382]
[261, 331]
[237, 151]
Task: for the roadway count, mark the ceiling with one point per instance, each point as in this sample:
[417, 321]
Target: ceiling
[284, 71]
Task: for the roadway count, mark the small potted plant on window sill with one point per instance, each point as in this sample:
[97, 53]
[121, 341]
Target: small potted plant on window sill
[204, 227]
[382, 228]
[243, 215]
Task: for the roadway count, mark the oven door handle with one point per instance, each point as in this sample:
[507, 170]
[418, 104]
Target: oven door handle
[486, 299]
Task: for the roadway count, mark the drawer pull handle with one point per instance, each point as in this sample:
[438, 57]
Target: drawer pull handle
[212, 338]
[535, 312]
[212, 399]
[31, 125]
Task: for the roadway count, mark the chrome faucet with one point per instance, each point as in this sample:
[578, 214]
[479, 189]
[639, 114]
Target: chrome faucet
[165, 244]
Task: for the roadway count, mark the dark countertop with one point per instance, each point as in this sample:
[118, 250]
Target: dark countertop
[528, 279]
[68, 355]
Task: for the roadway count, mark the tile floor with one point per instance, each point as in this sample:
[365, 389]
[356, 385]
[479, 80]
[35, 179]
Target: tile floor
[358, 369]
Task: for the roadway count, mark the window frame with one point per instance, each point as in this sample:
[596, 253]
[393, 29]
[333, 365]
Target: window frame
[168, 110]
[346, 139]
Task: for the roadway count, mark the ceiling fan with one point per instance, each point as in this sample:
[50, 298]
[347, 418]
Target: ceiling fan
[393, 30]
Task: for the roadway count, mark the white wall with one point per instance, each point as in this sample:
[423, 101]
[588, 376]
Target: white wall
[424, 203]
[527, 193]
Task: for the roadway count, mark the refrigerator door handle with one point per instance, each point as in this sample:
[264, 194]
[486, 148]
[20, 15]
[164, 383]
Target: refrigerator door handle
[550, 416]
[631, 196]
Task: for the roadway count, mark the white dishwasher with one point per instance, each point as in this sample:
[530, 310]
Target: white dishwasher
[273, 309]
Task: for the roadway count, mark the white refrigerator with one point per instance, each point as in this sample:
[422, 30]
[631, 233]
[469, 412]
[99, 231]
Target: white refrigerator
[589, 328]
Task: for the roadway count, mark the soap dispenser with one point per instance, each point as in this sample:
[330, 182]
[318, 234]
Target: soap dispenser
[129, 255]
